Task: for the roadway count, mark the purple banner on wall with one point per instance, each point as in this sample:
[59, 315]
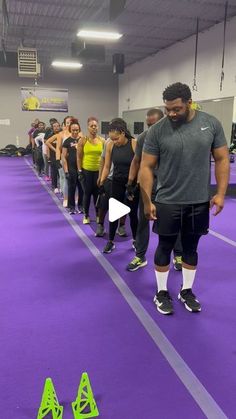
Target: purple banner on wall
[39, 99]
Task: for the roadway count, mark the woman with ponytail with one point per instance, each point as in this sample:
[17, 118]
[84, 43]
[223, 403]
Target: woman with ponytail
[119, 151]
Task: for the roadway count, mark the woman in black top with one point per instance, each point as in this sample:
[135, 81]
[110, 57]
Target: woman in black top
[56, 128]
[69, 161]
[120, 152]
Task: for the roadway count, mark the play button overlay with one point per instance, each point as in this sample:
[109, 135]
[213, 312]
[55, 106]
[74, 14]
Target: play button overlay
[117, 210]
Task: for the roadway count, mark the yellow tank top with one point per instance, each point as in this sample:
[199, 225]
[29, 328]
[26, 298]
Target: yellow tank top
[92, 155]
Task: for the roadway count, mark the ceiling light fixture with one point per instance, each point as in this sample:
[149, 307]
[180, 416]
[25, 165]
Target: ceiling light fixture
[111, 36]
[67, 64]
[216, 100]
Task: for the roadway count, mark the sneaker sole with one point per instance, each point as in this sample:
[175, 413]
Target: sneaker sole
[100, 235]
[177, 269]
[159, 309]
[138, 267]
[113, 247]
[187, 307]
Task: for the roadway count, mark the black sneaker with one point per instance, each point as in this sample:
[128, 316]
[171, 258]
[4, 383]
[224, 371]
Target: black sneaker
[136, 263]
[122, 231]
[72, 211]
[109, 247]
[100, 231]
[177, 262]
[189, 300]
[163, 302]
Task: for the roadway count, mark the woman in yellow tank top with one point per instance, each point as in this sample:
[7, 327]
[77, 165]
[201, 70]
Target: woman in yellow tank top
[88, 161]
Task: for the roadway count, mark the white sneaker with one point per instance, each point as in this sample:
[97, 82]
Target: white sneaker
[65, 203]
[56, 190]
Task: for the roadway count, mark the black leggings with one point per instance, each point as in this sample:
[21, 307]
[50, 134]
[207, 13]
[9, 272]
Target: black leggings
[118, 192]
[39, 160]
[73, 183]
[90, 188]
[54, 174]
[166, 245]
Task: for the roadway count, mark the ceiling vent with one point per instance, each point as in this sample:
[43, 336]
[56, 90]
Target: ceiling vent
[27, 62]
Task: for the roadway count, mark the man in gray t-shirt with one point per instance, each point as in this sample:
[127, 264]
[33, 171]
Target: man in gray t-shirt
[181, 145]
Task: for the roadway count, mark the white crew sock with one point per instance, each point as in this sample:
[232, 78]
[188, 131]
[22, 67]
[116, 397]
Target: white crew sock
[161, 278]
[188, 278]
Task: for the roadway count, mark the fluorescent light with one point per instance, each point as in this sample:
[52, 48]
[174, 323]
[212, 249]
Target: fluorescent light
[112, 36]
[66, 64]
[216, 100]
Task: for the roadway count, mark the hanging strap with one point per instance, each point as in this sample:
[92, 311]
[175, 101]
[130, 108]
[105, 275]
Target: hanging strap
[223, 55]
[195, 60]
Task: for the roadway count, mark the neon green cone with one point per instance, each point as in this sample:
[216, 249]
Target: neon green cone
[85, 406]
[49, 403]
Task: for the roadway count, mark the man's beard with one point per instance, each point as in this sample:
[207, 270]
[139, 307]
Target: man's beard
[180, 121]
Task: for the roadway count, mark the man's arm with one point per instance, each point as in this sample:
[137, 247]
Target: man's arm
[222, 169]
[134, 169]
[135, 164]
[148, 163]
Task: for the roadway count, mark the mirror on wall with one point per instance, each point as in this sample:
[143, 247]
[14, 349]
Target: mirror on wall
[223, 109]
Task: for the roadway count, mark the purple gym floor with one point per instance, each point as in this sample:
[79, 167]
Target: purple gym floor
[61, 314]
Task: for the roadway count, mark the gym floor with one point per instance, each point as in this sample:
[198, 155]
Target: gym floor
[66, 308]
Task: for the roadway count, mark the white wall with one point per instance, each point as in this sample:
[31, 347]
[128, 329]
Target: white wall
[93, 94]
[143, 83]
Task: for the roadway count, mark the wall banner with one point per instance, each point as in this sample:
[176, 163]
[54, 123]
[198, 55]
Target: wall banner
[42, 99]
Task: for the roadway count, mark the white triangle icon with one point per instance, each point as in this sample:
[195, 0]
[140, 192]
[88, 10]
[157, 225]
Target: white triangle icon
[117, 210]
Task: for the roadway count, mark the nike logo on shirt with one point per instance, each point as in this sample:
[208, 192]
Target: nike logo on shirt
[204, 128]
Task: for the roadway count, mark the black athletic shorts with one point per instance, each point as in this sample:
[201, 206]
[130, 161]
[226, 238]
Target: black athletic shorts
[104, 199]
[188, 218]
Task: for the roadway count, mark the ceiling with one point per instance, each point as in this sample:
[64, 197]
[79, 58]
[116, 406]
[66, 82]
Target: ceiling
[147, 25]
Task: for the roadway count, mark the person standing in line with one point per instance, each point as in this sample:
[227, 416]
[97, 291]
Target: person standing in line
[181, 145]
[31, 140]
[46, 150]
[56, 128]
[38, 136]
[119, 151]
[34, 127]
[49, 130]
[88, 161]
[104, 198]
[30, 132]
[142, 236]
[69, 161]
[60, 138]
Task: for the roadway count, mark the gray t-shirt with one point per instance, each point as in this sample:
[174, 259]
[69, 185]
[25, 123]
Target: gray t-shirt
[140, 143]
[138, 153]
[184, 157]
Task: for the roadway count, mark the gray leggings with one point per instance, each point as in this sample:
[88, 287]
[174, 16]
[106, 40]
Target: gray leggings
[63, 183]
